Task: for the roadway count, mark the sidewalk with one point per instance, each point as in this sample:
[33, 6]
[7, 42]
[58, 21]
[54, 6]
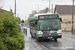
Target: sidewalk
[68, 34]
[29, 44]
[32, 44]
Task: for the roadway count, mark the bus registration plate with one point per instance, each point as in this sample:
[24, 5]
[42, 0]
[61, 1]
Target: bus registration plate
[50, 37]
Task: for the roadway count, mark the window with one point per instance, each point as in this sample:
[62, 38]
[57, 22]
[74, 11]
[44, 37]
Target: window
[69, 21]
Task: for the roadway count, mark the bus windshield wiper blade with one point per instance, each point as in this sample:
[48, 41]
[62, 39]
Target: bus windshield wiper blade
[46, 30]
[54, 29]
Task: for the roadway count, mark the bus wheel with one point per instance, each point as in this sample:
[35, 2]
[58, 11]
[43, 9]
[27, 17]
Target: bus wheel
[55, 39]
[38, 40]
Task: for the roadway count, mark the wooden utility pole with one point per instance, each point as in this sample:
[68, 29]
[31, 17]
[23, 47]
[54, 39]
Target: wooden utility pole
[15, 8]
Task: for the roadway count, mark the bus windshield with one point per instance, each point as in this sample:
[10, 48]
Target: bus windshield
[49, 24]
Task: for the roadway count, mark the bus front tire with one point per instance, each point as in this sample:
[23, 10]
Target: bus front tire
[55, 39]
[38, 40]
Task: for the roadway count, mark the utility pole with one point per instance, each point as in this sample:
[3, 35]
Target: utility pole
[72, 15]
[15, 8]
[17, 15]
[52, 8]
[25, 18]
[38, 8]
[49, 6]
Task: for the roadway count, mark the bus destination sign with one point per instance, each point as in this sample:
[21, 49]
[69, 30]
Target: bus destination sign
[47, 16]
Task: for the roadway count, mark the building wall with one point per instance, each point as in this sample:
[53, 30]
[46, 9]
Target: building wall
[66, 26]
[74, 24]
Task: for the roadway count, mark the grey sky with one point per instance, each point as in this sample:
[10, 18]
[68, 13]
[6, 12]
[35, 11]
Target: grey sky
[25, 7]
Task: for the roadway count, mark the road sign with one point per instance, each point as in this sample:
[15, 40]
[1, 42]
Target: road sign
[71, 19]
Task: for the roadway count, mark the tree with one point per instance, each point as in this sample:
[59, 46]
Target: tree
[18, 19]
[31, 15]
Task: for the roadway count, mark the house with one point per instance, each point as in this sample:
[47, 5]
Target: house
[5, 11]
[65, 12]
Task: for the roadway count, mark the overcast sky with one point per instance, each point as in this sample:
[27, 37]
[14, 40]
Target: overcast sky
[25, 7]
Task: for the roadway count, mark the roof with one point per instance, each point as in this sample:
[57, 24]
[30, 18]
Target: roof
[3, 11]
[64, 9]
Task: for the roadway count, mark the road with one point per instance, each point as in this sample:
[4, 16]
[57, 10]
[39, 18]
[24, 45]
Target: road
[64, 43]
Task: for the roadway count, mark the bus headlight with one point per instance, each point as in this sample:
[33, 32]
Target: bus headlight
[59, 31]
[40, 32]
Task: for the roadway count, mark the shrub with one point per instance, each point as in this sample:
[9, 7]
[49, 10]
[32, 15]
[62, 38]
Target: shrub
[10, 36]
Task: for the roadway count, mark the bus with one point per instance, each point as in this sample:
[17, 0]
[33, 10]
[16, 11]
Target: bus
[45, 26]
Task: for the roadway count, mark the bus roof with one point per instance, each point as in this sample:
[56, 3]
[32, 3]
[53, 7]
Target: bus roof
[36, 15]
[42, 14]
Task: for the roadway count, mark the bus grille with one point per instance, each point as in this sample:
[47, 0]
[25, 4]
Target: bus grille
[47, 32]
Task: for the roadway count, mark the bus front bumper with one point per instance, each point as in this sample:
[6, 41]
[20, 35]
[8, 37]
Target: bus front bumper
[49, 36]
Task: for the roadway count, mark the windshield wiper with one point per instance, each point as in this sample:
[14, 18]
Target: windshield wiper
[46, 30]
[54, 28]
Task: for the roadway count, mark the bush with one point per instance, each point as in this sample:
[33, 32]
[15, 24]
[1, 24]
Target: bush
[10, 36]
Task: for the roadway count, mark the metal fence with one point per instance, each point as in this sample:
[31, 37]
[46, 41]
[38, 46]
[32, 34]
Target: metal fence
[25, 31]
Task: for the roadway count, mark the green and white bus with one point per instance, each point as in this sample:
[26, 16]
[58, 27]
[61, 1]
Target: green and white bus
[45, 26]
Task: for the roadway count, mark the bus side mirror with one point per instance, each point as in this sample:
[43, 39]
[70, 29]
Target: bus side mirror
[60, 19]
[35, 22]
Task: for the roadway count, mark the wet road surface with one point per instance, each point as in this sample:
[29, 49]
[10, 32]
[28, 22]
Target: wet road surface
[64, 43]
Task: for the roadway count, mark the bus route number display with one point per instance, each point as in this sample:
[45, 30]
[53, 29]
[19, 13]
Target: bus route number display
[48, 16]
